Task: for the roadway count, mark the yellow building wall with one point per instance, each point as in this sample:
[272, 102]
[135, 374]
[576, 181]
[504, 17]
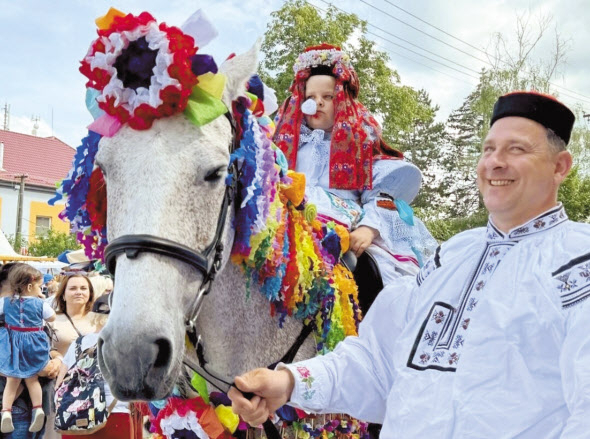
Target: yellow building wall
[39, 208]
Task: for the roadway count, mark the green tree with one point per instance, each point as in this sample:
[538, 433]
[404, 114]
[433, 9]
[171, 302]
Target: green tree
[297, 24]
[53, 243]
[16, 243]
[424, 146]
[574, 193]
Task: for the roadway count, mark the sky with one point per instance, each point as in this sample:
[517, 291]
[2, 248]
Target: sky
[42, 42]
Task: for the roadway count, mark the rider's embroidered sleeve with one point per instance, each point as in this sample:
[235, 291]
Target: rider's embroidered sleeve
[571, 281]
[360, 365]
[574, 361]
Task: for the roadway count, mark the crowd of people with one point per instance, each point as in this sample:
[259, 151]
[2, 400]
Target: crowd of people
[41, 317]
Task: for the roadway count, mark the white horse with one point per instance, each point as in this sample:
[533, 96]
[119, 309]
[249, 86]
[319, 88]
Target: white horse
[169, 182]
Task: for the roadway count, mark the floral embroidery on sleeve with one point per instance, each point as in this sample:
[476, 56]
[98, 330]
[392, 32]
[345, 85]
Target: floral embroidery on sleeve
[308, 380]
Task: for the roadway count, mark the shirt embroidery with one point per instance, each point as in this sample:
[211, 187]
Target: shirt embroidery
[572, 281]
[432, 264]
[307, 379]
[542, 223]
[443, 333]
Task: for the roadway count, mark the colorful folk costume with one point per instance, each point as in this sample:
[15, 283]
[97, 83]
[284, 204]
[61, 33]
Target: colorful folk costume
[353, 177]
[490, 340]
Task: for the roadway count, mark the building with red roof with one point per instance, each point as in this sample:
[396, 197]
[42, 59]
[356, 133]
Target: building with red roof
[43, 161]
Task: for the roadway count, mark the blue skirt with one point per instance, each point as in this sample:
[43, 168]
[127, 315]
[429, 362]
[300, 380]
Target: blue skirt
[28, 353]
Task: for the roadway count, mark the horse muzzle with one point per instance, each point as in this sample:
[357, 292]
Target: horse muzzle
[137, 369]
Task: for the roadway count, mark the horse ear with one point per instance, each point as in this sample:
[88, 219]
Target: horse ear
[238, 71]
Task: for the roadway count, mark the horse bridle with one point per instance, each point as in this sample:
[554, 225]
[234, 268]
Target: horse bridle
[208, 262]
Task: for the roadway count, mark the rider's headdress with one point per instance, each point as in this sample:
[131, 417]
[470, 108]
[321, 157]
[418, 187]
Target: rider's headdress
[356, 135]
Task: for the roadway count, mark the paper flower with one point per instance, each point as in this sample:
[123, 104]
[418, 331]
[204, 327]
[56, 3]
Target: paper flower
[142, 70]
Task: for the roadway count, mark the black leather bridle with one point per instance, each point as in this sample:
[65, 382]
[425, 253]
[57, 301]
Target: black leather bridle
[208, 262]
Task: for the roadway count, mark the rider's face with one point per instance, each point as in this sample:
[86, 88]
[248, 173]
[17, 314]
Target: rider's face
[320, 88]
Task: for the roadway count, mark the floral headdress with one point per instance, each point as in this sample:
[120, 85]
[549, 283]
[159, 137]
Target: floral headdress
[138, 71]
[356, 135]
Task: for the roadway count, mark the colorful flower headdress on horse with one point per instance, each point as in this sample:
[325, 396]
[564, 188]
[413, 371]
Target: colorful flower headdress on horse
[138, 71]
[356, 135]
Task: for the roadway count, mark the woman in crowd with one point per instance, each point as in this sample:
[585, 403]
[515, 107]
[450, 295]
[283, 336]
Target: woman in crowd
[73, 303]
[123, 422]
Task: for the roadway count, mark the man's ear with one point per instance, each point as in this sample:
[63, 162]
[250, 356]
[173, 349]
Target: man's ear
[563, 165]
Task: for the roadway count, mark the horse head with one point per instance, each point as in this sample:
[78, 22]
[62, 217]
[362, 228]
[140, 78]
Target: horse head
[167, 182]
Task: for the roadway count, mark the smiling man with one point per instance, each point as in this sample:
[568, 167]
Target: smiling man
[492, 338]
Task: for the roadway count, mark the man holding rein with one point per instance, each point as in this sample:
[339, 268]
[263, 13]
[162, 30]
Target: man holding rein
[492, 337]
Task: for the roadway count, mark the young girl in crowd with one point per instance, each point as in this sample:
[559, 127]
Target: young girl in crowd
[27, 345]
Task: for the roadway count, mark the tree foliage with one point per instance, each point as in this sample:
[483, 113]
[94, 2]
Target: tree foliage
[53, 243]
[424, 145]
[574, 193]
[297, 24]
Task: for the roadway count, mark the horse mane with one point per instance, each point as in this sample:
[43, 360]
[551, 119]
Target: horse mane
[292, 257]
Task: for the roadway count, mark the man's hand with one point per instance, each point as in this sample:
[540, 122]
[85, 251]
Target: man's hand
[272, 388]
[52, 368]
[362, 238]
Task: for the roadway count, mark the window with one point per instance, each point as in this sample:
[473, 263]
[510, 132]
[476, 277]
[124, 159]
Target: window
[43, 224]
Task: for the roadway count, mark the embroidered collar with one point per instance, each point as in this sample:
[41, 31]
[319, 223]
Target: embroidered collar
[308, 135]
[547, 220]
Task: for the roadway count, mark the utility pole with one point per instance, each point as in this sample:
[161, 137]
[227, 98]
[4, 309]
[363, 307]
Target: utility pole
[19, 213]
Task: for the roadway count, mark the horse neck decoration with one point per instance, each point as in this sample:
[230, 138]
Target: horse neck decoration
[162, 166]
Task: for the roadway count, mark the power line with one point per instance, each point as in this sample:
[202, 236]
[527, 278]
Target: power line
[576, 100]
[439, 29]
[388, 50]
[425, 50]
[466, 43]
[406, 41]
[425, 33]
[430, 59]
[437, 39]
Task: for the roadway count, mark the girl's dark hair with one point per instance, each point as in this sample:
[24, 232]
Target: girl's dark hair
[60, 302]
[321, 70]
[6, 268]
[21, 276]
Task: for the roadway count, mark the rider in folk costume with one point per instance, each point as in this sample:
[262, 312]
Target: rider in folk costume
[352, 176]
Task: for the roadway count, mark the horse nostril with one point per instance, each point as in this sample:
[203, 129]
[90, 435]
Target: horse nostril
[164, 353]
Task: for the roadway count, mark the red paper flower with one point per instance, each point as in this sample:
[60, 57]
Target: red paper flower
[142, 70]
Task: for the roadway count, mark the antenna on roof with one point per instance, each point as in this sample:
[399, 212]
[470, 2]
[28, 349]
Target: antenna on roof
[6, 117]
[36, 120]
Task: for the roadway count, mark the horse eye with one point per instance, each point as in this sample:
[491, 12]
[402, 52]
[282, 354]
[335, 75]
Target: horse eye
[214, 175]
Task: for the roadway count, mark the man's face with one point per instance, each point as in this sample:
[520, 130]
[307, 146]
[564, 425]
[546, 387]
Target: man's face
[518, 173]
[321, 89]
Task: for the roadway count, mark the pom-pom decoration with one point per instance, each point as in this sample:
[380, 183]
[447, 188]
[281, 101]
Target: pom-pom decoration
[282, 248]
[142, 70]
